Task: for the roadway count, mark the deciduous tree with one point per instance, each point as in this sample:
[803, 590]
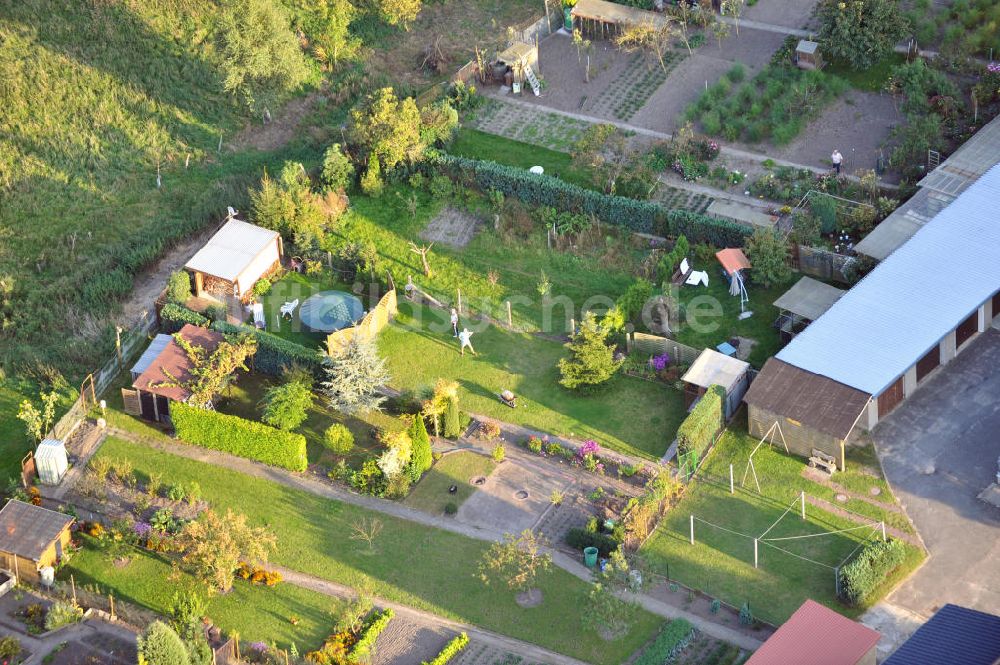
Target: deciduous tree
[652, 36]
[515, 561]
[261, 57]
[210, 374]
[861, 32]
[768, 254]
[213, 546]
[284, 406]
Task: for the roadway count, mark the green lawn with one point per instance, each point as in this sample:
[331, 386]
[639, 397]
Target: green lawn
[705, 330]
[482, 145]
[244, 397]
[628, 414]
[871, 79]
[413, 564]
[431, 493]
[578, 275]
[721, 563]
[255, 612]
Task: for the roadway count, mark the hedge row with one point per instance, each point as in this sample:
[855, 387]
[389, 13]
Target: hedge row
[173, 317]
[373, 628]
[671, 639]
[238, 436]
[578, 538]
[275, 354]
[864, 574]
[630, 214]
[698, 430]
[450, 650]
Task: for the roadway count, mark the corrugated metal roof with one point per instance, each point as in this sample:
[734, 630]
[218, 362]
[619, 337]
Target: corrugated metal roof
[813, 400]
[27, 530]
[910, 301]
[972, 159]
[154, 349]
[231, 250]
[816, 635]
[953, 635]
[809, 298]
[714, 368]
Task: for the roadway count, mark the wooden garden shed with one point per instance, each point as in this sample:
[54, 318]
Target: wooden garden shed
[32, 538]
[234, 259]
[149, 398]
[802, 304]
[518, 58]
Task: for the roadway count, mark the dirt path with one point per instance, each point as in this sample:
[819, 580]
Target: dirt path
[279, 131]
[321, 487]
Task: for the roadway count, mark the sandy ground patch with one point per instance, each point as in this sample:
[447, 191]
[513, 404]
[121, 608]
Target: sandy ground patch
[452, 227]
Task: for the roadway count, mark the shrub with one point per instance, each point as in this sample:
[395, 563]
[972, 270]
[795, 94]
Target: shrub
[450, 508]
[173, 317]
[237, 436]
[736, 73]
[366, 638]
[534, 444]
[338, 172]
[62, 613]
[671, 640]
[862, 577]
[275, 354]
[338, 439]
[452, 419]
[499, 453]
[711, 123]
[767, 251]
[578, 538]
[489, 429]
[422, 457]
[10, 647]
[178, 287]
[702, 228]
[161, 645]
[450, 650]
[285, 406]
[216, 312]
[261, 287]
[698, 430]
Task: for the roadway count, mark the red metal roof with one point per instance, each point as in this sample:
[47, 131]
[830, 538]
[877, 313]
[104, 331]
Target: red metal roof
[732, 259]
[816, 635]
[175, 361]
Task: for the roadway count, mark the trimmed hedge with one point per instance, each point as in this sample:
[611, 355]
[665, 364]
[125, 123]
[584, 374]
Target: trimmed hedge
[698, 430]
[630, 214]
[173, 317]
[238, 436]
[671, 639]
[373, 628]
[864, 574]
[450, 650]
[274, 353]
[578, 538]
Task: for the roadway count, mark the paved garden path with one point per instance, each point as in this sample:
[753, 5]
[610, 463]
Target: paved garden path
[744, 23]
[325, 489]
[507, 644]
[42, 646]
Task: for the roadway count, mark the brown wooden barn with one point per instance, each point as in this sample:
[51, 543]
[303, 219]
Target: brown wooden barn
[32, 538]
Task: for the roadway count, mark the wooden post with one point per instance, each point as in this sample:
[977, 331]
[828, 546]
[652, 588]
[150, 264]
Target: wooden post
[459, 308]
[111, 603]
[17, 573]
[510, 319]
[118, 346]
[802, 495]
[692, 530]
[236, 644]
[72, 583]
[754, 552]
[883, 531]
[572, 326]
[220, 143]
[731, 491]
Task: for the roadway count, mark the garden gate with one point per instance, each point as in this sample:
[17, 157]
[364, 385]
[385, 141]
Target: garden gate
[28, 470]
[687, 464]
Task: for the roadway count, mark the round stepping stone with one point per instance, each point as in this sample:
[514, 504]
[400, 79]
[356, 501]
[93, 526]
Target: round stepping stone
[842, 498]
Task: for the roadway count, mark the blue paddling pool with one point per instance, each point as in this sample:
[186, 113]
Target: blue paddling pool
[328, 311]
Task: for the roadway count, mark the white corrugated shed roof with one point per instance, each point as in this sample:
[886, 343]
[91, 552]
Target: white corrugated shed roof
[231, 250]
[154, 349]
[910, 301]
[714, 368]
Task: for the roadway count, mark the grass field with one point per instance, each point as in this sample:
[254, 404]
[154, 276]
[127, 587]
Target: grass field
[721, 563]
[517, 262]
[627, 414]
[431, 493]
[713, 330]
[475, 144]
[255, 612]
[413, 564]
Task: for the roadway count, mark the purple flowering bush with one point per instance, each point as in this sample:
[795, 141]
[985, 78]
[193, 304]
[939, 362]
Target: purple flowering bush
[660, 362]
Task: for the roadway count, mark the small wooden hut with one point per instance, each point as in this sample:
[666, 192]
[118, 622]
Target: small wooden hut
[32, 538]
[516, 60]
[807, 55]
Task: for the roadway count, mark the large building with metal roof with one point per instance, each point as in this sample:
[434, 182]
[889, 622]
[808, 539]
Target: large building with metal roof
[913, 313]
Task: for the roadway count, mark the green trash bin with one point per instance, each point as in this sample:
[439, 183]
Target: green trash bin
[568, 19]
[590, 557]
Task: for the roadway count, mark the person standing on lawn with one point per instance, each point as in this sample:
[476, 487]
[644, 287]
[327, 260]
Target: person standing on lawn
[454, 322]
[465, 337]
[837, 160]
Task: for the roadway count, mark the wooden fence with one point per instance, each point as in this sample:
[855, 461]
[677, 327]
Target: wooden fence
[654, 345]
[369, 326]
